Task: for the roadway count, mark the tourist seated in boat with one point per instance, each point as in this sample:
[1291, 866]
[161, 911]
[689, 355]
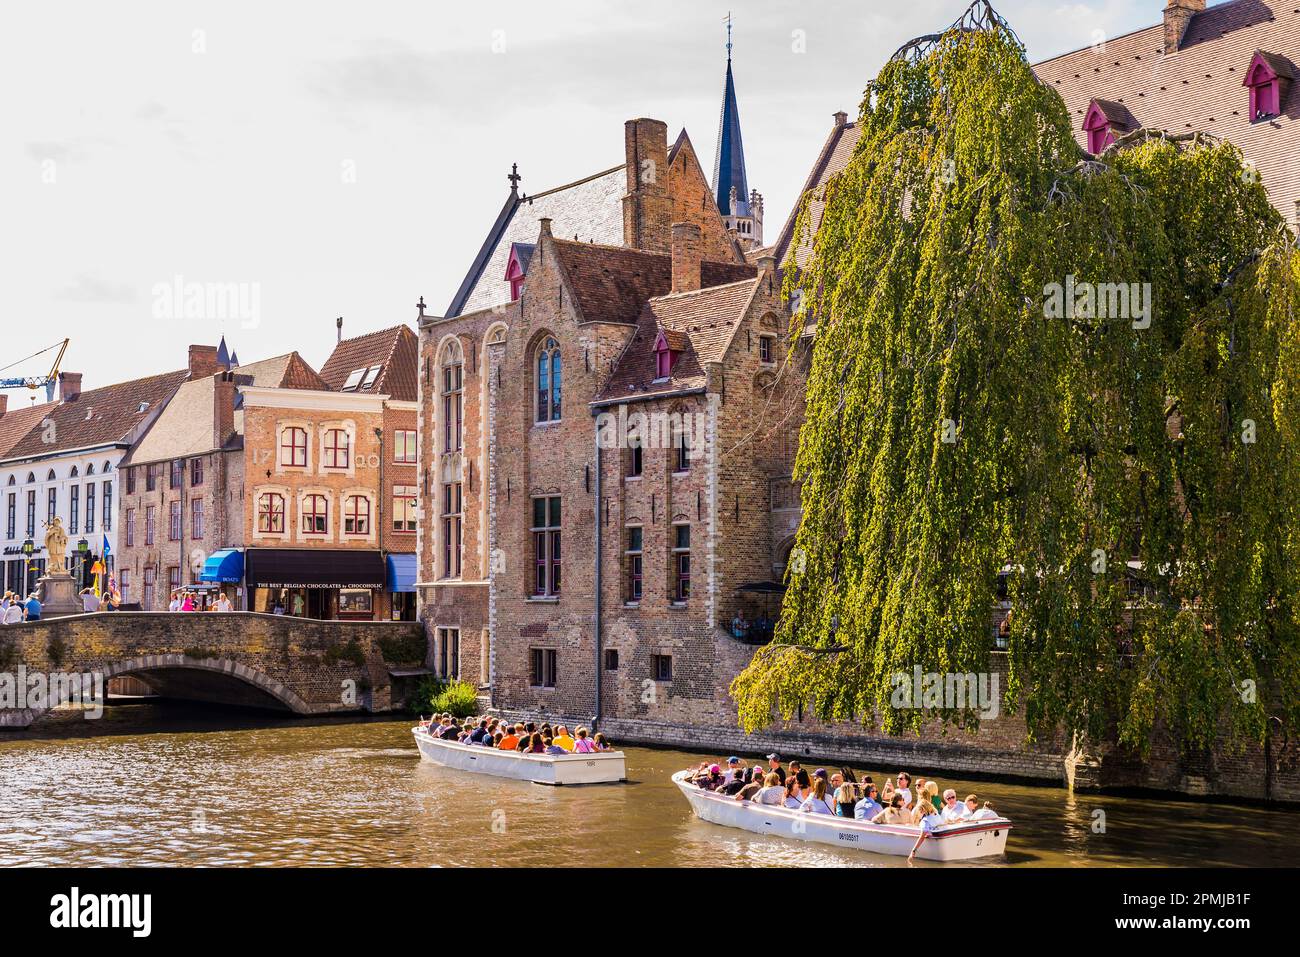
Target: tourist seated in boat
[563, 739]
[733, 787]
[479, 733]
[550, 747]
[894, 812]
[583, 744]
[772, 792]
[526, 739]
[707, 776]
[795, 794]
[536, 743]
[923, 807]
[602, 742]
[905, 788]
[869, 806]
[774, 765]
[845, 797]
[953, 810]
[753, 780]
[986, 813]
[817, 802]
[510, 738]
[935, 798]
[734, 766]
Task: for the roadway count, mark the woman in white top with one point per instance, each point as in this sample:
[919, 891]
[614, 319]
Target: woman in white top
[817, 802]
[14, 613]
[793, 797]
[771, 792]
[905, 788]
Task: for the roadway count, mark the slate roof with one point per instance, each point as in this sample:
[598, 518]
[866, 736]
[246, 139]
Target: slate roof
[101, 416]
[1199, 87]
[729, 161]
[612, 283]
[185, 427]
[395, 350]
[704, 321]
[833, 158]
[589, 208]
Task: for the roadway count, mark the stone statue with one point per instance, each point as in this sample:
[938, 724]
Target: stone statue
[56, 547]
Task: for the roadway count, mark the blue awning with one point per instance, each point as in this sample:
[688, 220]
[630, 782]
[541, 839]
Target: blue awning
[226, 565]
[401, 571]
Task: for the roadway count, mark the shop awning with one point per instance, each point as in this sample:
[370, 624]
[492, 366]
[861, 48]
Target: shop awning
[315, 568]
[226, 565]
[401, 571]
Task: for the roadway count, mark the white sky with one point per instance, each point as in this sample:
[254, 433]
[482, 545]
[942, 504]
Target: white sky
[228, 165]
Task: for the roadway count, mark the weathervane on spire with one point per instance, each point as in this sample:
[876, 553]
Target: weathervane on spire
[728, 34]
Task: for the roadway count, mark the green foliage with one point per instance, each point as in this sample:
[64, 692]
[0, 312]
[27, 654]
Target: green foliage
[458, 698]
[1075, 436]
[407, 649]
[351, 651]
[56, 650]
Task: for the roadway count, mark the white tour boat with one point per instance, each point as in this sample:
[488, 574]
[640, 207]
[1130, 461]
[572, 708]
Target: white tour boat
[602, 767]
[952, 842]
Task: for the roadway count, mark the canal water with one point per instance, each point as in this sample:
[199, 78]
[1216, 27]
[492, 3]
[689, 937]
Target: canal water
[157, 784]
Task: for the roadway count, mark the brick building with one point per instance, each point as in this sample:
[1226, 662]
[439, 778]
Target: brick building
[606, 436]
[182, 495]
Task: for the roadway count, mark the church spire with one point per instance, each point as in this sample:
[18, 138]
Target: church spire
[741, 209]
[729, 164]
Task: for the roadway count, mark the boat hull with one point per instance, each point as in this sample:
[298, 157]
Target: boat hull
[953, 842]
[605, 767]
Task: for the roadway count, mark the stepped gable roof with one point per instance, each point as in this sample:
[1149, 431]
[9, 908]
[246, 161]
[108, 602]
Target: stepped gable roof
[1198, 87]
[590, 208]
[18, 421]
[612, 283]
[393, 350]
[104, 416]
[831, 161]
[703, 322]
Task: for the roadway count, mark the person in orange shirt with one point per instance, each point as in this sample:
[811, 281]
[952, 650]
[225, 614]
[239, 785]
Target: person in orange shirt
[511, 741]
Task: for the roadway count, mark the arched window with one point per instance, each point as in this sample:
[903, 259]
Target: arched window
[293, 447]
[73, 474]
[49, 477]
[336, 449]
[356, 515]
[270, 512]
[453, 368]
[315, 514]
[31, 477]
[548, 381]
[13, 480]
[108, 467]
[90, 469]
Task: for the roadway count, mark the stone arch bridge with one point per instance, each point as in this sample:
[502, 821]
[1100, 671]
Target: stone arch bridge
[275, 662]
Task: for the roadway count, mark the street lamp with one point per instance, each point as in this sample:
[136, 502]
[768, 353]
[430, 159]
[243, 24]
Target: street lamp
[28, 548]
[83, 547]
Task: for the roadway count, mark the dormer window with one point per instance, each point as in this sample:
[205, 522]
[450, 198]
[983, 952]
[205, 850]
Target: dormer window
[1103, 122]
[1267, 78]
[667, 350]
[517, 267]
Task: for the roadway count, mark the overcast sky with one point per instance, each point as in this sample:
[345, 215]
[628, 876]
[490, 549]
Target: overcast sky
[346, 158]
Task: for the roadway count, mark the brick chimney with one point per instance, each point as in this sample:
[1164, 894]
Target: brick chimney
[841, 119]
[203, 362]
[4, 404]
[223, 407]
[647, 207]
[686, 257]
[1178, 14]
[69, 386]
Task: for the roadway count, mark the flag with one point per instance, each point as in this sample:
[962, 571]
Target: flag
[107, 548]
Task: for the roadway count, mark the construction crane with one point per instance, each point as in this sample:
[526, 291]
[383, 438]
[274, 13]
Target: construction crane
[35, 382]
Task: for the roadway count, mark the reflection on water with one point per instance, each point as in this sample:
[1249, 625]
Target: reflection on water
[153, 784]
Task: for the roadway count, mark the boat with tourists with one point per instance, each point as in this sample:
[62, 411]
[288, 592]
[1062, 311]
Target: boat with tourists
[598, 767]
[961, 841]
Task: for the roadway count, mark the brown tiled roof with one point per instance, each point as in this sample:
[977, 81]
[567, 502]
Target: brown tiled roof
[834, 156]
[703, 322]
[289, 371]
[101, 416]
[18, 421]
[612, 283]
[1199, 87]
[395, 350]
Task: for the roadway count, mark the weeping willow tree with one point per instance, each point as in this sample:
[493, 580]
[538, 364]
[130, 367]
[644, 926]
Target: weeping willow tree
[992, 404]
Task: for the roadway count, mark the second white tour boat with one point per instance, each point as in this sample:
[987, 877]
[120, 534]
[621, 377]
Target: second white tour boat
[602, 767]
[952, 842]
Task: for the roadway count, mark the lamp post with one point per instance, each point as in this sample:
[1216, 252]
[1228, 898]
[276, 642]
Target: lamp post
[28, 548]
[83, 547]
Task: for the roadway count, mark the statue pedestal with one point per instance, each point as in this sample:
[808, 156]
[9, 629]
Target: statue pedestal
[58, 595]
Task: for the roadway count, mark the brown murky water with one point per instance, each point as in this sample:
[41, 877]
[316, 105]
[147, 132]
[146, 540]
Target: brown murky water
[166, 785]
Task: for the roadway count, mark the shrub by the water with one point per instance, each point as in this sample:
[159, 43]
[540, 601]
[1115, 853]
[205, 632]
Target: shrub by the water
[458, 698]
